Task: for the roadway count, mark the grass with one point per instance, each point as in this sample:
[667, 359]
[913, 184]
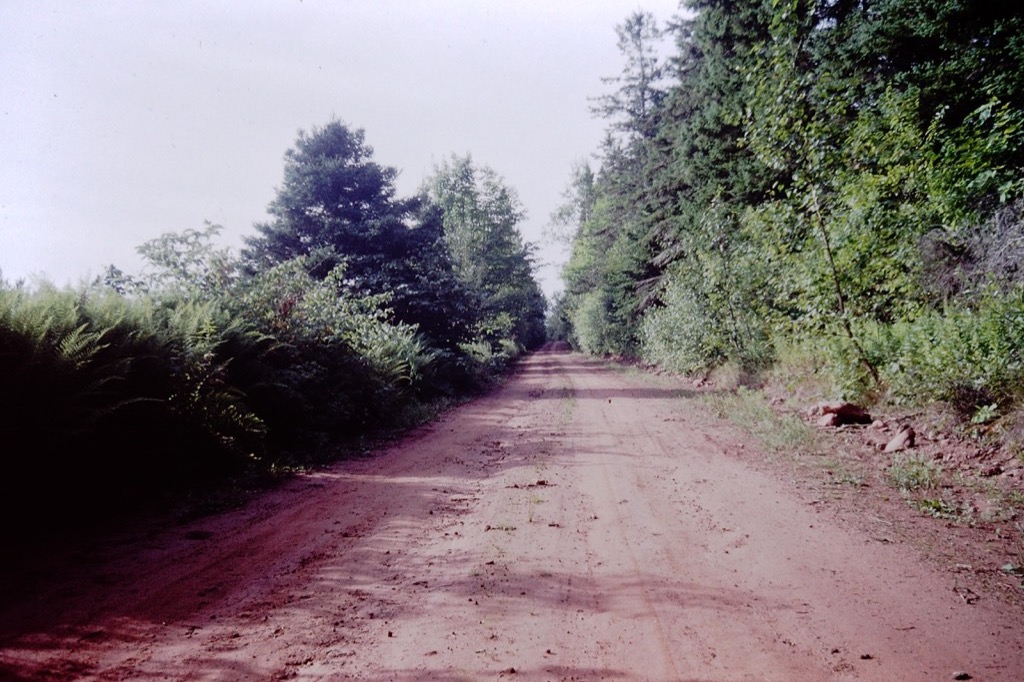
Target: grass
[779, 433]
[1005, 505]
[533, 502]
[939, 508]
[800, 375]
[916, 477]
[910, 473]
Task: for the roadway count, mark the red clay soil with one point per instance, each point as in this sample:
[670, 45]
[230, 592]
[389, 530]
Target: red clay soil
[581, 523]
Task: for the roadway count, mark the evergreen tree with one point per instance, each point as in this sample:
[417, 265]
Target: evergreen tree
[337, 205]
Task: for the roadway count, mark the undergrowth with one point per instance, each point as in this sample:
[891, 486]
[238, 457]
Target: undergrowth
[970, 356]
[779, 433]
[115, 402]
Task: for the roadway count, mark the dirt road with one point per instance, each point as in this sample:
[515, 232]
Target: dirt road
[583, 523]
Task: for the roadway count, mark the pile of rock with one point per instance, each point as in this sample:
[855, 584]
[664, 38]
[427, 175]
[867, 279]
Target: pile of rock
[839, 413]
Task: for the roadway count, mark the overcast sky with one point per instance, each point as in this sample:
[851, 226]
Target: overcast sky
[120, 121]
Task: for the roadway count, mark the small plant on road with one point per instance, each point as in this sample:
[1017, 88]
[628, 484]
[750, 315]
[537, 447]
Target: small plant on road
[534, 501]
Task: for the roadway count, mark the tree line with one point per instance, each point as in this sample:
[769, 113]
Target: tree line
[834, 185]
[349, 312]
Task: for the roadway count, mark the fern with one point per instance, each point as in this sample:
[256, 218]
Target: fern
[80, 346]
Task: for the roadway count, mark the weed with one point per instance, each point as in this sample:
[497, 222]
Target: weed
[1005, 504]
[909, 473]
[850, 479]
[732, 375]
[777, 432]
[534, 501]
[801, 371]
[938, 508]
[985, 414]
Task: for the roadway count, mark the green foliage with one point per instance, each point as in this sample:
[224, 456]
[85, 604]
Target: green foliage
[700, 328]
[334, 198]
[712, 307]
[591, 324]
[336, 206]
[578, 200]
[339, 366]
[113, 401]
[104, 355]
[609, 277]
[685, 335]
[985, 414]
[970, 357]
[940, 509]
[913, 473]
[632, 106]
[188, 264]
[980, 157]
[830, 175]
[346, 315]
[109, 401]
[480, 215]
[779, 433]
[608, 258]
[558, 324]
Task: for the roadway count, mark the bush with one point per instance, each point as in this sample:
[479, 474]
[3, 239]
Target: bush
[109, 401]
[341, 368]
[969, 356]
[694, 332]
[133, 392]
[684, 335]
[592, 325]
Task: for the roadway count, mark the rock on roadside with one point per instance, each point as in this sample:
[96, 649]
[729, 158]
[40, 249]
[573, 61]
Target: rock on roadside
[901, 441]
[838, 413]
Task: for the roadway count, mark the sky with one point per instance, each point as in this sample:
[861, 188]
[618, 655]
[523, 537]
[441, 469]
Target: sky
[121, 121]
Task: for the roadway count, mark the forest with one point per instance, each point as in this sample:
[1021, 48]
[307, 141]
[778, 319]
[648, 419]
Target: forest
[825, 191]
[350, 313]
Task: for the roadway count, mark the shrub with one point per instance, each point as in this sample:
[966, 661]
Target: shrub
[341, 367]
[969, 356]
[109, 401]
[592, 325]
[119, 395]
[696, 330]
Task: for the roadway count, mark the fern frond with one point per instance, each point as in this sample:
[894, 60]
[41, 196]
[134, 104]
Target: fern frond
[79, 346]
